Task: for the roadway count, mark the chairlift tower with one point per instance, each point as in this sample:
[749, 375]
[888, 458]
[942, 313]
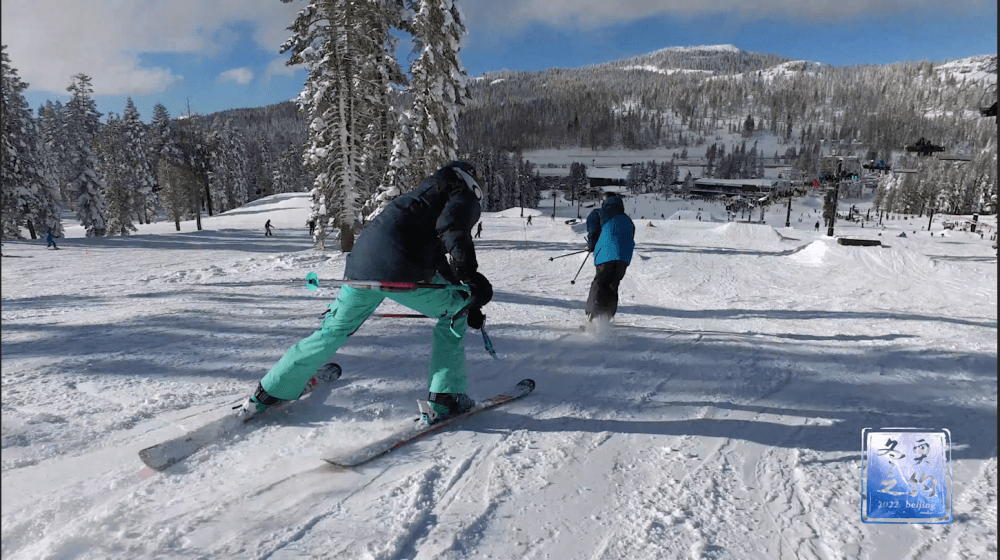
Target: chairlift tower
[833, 215]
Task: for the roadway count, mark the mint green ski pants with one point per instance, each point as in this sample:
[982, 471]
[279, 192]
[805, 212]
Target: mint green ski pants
[289, 376]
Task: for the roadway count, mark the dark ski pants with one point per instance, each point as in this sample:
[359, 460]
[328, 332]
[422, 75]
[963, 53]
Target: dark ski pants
[603, 298]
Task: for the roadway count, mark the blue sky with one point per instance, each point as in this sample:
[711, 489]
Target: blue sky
[224, 54]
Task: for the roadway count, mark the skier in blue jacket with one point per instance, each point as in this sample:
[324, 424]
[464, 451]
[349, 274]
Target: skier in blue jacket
[611, 237]
[411, 240]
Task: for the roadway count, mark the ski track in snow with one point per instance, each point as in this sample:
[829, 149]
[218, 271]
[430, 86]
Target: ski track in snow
[719, 416]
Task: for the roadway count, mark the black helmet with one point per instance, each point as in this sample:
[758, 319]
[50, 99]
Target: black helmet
[469, 175]
[609, 194]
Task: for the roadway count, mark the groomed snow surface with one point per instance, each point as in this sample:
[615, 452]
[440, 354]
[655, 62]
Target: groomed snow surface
[719, 416]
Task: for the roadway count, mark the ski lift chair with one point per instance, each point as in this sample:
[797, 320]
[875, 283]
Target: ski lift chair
[959, 153]
[986, 108]
[924, 147]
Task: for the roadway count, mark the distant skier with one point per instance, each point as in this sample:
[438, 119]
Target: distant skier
[611, 237]
[479, 230]
[529, 220]
[817, 225]
[312, 226]
[50, 240]
[267, 229]
[410, 241]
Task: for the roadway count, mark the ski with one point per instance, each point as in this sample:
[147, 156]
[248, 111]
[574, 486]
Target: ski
[360, 456]
[172, 451]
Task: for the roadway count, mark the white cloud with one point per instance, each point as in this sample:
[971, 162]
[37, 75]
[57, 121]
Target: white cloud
[51, 40]
[277, 67]
[514, 15]
[241, 75]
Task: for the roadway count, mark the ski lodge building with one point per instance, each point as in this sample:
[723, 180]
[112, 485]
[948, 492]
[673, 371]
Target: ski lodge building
[605, 176]
[748, 188]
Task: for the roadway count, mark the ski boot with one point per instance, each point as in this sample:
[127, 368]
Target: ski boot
[259, 401]
[440, 406]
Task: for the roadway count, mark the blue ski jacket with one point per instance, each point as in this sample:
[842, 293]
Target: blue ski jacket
[411, 239]
[610, 232]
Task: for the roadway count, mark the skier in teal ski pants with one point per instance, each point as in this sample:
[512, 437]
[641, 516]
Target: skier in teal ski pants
[409, 241]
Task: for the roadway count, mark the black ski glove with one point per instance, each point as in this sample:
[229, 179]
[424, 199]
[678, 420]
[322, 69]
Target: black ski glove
[475, 318]
[481, 289]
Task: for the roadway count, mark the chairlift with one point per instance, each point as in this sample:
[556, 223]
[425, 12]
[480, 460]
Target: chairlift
[986, 108]
[953, 157]
[961, 153]
[905, 165]
[877, 166]
[924, 147]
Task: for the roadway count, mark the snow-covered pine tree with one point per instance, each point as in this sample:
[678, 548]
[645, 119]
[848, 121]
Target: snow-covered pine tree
[885, 194]
[116, 173]
[52, 128]
[12, 197]
[228, 153]
[634, 178]
[135, 157]
[286, 174]
[28, 198]
[688, 184]
[748, 127]
[177, 181]
[397, 178]
[384, 133]
[160, 134]
[578, 179]
[184, 148]
[85, 186]
[343, 44]
[984, 176]
[437, 85]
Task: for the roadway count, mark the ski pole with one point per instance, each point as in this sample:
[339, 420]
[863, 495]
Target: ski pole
[312, 283]
[573, 281]
[567, 255]
[488, 343]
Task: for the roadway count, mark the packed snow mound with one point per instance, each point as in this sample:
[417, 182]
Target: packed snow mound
[513, 213]
[753, 234]
[813, 254]
[695, 214]
[879, 262]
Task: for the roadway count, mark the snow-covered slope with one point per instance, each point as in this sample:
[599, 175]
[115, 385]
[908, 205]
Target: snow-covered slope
[719, 417]
[970, 69]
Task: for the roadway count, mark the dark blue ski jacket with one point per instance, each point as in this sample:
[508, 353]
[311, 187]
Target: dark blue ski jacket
[410, 240]
[610, 232]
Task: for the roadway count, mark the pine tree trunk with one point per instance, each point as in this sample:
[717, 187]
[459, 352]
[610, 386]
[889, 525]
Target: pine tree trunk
[346, 237]
[196, 206]
[208, 198]
[177, 223]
